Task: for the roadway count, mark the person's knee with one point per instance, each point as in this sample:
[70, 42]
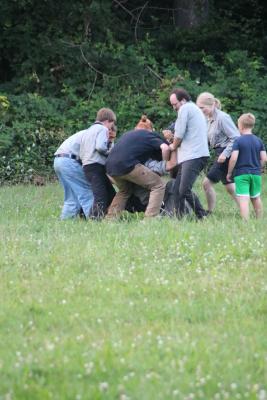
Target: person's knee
[159, 187]
[184, 191]
[230, 188]
[207, 185]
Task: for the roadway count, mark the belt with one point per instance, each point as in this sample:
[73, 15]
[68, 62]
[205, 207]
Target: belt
[73, 156]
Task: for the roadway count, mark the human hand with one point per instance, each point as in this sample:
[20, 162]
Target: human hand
[221, 158]
[228, 177]
[168, 135]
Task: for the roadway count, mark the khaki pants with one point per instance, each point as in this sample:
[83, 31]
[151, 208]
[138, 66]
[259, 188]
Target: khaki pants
[141, 176]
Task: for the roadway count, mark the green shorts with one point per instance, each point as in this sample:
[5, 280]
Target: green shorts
[248, 185]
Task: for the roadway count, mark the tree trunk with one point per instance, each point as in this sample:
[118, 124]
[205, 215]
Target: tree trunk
[190, 14]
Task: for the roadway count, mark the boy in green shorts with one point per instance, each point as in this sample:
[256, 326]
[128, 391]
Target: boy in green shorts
[248, 158]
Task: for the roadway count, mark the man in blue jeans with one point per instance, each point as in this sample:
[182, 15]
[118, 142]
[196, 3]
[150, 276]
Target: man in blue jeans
[78, 189]
[191, 142]
[78, 195]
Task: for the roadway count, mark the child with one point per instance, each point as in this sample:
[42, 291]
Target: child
[94, 149]
[248, 158]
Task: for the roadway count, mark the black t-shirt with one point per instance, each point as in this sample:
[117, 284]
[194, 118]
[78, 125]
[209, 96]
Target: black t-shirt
[248, 162]
[133, 147]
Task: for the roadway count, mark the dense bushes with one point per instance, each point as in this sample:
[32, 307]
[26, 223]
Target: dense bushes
[33, 126]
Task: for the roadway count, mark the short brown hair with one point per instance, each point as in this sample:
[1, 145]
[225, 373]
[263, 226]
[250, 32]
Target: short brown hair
[181, 94]
[105, 114]
[247, 120]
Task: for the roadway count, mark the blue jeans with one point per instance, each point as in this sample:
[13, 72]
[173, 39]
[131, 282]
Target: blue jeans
[78, 195]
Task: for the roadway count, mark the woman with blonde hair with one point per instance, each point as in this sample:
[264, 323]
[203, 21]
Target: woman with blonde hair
[222, 133]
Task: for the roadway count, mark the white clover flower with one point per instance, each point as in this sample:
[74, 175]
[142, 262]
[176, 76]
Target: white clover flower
[262, 395]
[103, 386]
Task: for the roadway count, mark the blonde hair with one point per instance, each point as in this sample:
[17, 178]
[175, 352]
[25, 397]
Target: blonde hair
[208, 99]
[247, 120]
[105, 114]
[218, 104]
[144, 123]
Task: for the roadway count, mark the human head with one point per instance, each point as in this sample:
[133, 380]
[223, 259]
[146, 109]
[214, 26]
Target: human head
[246, 122]
[207, 103]
[178, 97]
[144, 123]
[112, 132]
[106, 116]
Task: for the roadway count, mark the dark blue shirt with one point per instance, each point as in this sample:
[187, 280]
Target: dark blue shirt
[134, 147]
[248, 162]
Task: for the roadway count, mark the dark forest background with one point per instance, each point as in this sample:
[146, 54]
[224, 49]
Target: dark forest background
[61, 61]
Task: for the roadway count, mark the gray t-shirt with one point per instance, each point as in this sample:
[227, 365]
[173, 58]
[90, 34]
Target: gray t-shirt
[94, 145]
[191, 126]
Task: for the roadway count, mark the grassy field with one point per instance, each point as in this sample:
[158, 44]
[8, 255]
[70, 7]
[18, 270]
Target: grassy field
[164, 309]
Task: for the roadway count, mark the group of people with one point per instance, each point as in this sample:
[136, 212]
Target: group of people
[90, 163]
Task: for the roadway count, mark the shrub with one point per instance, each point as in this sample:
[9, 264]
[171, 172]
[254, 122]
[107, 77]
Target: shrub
[33, 126]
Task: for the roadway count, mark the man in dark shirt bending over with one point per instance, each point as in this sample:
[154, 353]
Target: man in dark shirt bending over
[125, 167]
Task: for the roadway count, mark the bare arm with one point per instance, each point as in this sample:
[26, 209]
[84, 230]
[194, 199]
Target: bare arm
[172, 161]
[263, 158]
[232, 163]
[165, 151]
[176, 143]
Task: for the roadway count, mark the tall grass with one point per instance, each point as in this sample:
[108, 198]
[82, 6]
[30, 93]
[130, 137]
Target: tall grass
[130, 310]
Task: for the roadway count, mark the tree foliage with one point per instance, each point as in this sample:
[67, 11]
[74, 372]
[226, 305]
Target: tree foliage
[61, 61]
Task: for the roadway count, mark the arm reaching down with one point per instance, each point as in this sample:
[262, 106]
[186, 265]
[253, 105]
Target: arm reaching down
[176, 143]
[172, 161]
[263, 158]
[232, 163]
[165, 151]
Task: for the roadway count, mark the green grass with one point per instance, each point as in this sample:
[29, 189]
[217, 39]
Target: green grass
[130, 310]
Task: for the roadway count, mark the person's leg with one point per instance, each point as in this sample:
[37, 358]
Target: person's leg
[257, 205]
[82, 188]
[176, 189]
[243, 202]
[71, 207]
[255, 195]
[134, 205]
[151, 181]
[210, 193]
[119, 202]
[189, 172]
[96, 176]
[168, 207]
[242, 190]
[110, 191]
[214, 176]
[229, 186]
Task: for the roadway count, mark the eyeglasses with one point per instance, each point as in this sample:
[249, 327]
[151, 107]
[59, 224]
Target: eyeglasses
[175, 104]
